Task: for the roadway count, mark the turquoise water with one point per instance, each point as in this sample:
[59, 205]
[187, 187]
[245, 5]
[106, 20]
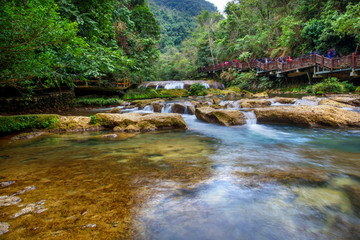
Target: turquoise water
[208, 182]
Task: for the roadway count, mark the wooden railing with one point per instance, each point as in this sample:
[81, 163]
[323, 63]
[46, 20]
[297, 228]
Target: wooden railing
[350, 61]
[125, 83]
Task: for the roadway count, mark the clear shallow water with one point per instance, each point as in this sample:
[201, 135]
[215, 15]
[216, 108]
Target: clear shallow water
[209, 182]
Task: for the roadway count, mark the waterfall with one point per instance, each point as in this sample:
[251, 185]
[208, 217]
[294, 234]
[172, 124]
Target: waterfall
[174, 85]
[250, 117]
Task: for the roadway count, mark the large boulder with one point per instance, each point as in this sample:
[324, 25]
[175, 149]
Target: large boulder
[178, 108]
[333, 103]
[223, 117]
[284, 100]
[158, 106]
[353, 100]
[309, 116]
[136, 122]
[254, 103]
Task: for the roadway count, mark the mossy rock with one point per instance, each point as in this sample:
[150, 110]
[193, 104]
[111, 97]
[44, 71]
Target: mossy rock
[13, 124]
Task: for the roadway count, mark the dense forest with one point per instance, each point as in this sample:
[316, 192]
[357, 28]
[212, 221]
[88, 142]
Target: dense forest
[257, 29]
[51, 43]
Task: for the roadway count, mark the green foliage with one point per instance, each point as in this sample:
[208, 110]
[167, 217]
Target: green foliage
[91, 102]
[50, 43]
[197, 89]
[330, 85]
[10, 124]
[93, 119]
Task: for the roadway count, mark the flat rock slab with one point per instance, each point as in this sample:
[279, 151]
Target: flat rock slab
[137, 122]
[325, 116]
[223, 117]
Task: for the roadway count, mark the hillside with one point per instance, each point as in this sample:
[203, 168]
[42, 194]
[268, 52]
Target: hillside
[176, 19]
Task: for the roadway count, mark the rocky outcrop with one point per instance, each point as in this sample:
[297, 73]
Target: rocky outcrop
[283, 100]
[351, 100]
[76, 124]
[115, 110]
[191, 110]
[222, 117]
[309, 116]
[261, 95]
[136, 122]
[333, 103]
[254, 103]
[141, 104]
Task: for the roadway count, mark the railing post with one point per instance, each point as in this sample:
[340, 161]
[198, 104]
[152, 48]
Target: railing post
[322, 61]
[332, 64]
[314, 56]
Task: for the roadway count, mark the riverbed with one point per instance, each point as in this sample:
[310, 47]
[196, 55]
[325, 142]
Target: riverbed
[208, 182]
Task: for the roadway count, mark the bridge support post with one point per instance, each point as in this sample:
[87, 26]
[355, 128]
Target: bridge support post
[353, 61]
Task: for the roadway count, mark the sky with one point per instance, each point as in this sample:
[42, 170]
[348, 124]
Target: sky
[220, 4]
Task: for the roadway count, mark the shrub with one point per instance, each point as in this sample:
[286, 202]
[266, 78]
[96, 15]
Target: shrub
[89, 102]
[197, 89]
[330, 85]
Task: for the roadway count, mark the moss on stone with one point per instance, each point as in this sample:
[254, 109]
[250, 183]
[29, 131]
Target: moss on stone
[11, 124]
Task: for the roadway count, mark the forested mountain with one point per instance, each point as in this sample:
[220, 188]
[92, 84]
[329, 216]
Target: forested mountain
[49, 43]
[176, 19]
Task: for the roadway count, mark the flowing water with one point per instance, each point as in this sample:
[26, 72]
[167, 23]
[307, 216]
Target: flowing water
[208, 182]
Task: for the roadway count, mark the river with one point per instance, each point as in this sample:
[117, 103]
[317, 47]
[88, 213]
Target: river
[208, 182]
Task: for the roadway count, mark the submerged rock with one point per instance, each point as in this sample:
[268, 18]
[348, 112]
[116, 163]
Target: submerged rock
[322, 198]
[9, 200]
[283, 100]
[309, 116]
[136, 122]
[292, 175]
[223, 117]
[353, 192]
[333, 103]
[4, 227]
[254, 103]
[6, 184]
[27, 136]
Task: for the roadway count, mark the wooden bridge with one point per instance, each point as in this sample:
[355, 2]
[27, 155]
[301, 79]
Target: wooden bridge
[320, 65]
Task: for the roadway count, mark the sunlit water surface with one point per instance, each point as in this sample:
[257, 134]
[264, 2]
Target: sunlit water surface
[209, 182]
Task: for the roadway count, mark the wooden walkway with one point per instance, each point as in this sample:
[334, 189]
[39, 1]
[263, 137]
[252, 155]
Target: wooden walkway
[321, 65]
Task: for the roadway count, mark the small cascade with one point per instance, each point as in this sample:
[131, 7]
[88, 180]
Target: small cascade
[166, 109]
[148, 108]
[174, 85]
[310, 101]
[205, 85]
[250, 117]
